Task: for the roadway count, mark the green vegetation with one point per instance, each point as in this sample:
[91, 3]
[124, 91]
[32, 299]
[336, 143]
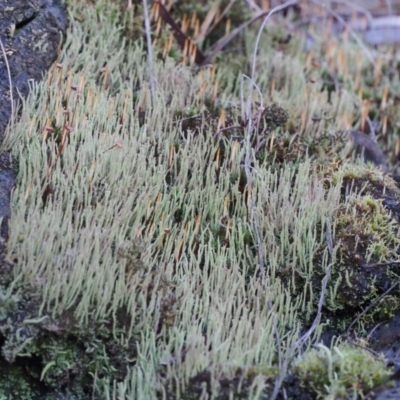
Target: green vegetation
[339, 372]
[178, 249]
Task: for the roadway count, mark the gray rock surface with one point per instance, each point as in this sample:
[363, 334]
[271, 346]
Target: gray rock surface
[31, 32]
[369, 149]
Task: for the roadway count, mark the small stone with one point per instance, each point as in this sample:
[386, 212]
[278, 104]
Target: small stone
[369, 149]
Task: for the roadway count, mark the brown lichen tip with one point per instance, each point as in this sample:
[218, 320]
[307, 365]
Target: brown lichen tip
[369, 149]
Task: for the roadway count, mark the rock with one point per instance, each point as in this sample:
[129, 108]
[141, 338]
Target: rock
[370, 150]
[31, 32]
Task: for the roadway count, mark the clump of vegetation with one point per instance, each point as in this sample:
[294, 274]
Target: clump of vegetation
[367, 234]
[238, 383]
[179, 240]
[62, 355]
[344, 371]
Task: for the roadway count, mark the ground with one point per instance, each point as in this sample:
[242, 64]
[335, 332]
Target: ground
[213, 236]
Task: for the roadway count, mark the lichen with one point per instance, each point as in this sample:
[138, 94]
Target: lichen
[174, 243]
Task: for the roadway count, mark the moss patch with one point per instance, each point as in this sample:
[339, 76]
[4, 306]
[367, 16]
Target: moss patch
[341, 372]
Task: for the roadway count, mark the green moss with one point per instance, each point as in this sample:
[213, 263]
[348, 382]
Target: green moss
[15, 384]
[344, 371]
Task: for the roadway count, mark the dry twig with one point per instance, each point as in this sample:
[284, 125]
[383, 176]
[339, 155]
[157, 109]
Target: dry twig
[382, 264]
[149, 51]
[247, 165]
[369, 308]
